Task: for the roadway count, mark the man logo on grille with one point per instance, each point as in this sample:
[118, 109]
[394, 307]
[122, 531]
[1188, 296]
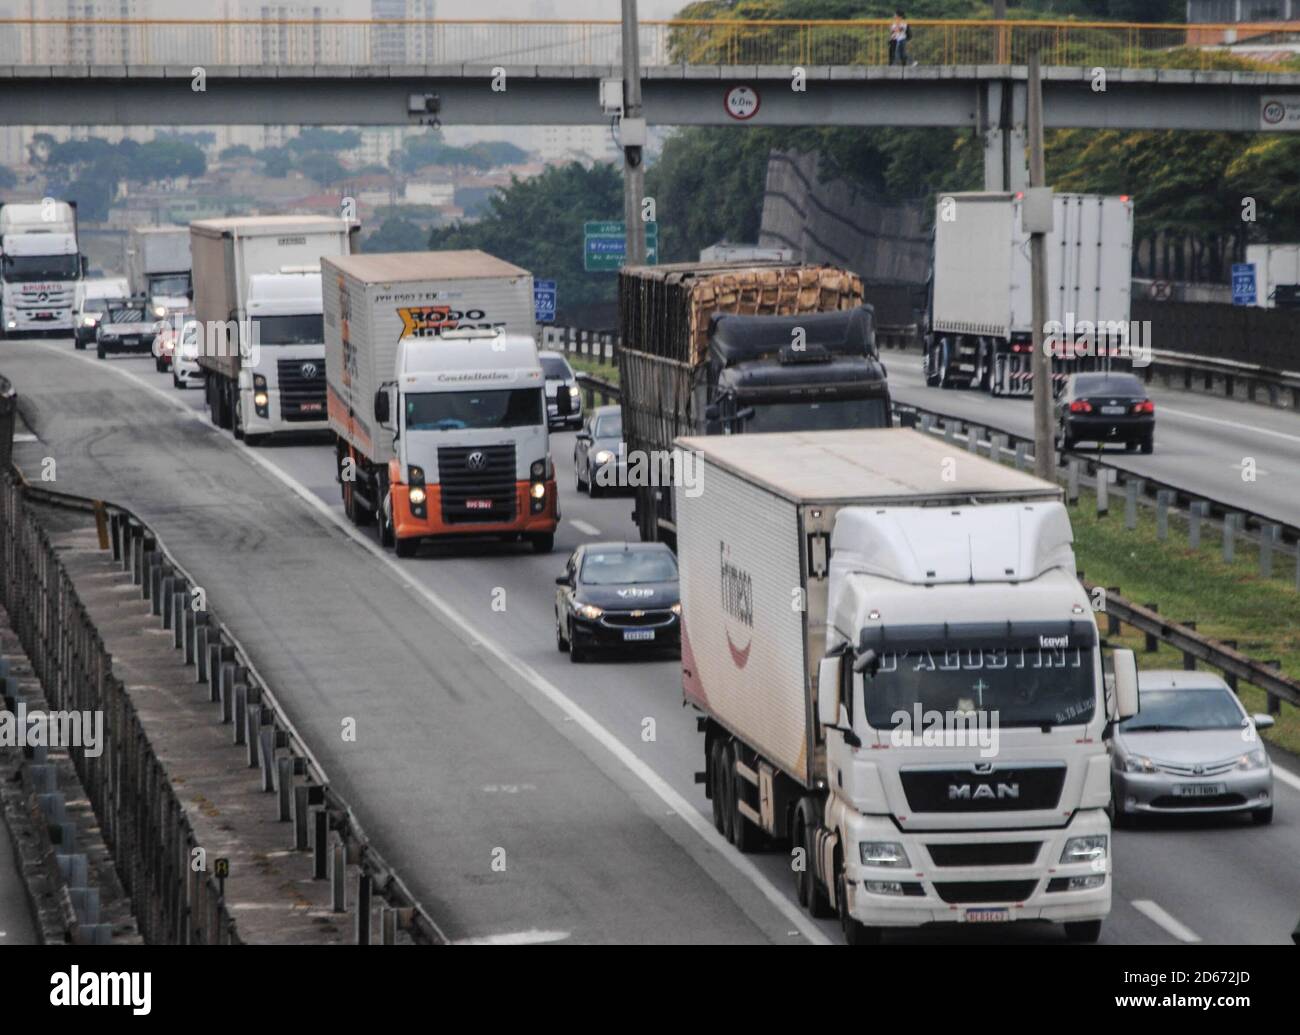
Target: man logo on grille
[476, 461]
[308, 370]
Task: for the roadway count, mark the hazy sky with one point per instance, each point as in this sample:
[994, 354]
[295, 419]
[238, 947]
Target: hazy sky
[578, 10]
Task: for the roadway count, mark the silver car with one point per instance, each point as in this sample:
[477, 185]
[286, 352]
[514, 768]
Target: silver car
[1191, 749]
[561, 378]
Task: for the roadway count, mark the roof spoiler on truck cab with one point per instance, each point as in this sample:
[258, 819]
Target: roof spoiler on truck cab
[802, 338]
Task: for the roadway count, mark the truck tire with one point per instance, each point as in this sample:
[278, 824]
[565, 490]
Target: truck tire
[944, 363]
[543, 543]
[387, 533]
[725, 788]
[715, 787]
[744, 835]
[810, 891]
[1083, 932]
[855, 933]
[930, 366]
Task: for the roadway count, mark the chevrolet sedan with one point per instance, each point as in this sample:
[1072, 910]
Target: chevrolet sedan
[618, 595]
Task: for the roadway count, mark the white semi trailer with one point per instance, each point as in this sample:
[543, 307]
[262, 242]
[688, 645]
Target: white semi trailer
[899, 673]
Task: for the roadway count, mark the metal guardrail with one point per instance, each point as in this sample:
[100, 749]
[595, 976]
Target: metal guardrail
[299, 42]
[1209, 373]
[140, 814]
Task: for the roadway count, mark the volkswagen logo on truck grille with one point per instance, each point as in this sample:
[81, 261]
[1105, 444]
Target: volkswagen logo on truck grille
[476, 461]
[308, 370]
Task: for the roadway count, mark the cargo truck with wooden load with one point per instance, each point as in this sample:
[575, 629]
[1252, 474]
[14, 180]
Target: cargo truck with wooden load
[437, 398]
[726, 348]
[257, 298]
[979, 322]
[898, 673]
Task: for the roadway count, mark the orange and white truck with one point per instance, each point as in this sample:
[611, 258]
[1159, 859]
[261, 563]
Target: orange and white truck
[437, 398]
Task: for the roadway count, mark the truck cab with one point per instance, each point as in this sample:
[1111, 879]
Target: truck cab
[467, 411]
[40, 265]
[282, 384]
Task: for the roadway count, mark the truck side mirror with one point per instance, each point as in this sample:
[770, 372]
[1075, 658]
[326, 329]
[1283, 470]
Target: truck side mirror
[828, 690]
[1124, 665]
[381, 407]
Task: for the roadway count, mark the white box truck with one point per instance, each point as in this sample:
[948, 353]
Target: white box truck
[158, 267]
[436, 398]
[900, 674]
[257, 297]
[1277, 274]
[40, 265]
[980, 303]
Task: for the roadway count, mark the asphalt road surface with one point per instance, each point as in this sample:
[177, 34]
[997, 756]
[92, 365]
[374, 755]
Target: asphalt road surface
[490, 737]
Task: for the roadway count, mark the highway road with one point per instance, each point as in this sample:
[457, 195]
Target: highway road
[490, 736]
[1201, 440]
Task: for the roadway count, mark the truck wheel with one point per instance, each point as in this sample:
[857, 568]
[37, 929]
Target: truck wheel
[995, 379]
[405, 547]
[543, 543]
[744, 835]
[929, 366]
[945, 362]
[716, 793]
[1084, 932]
[99, 351]
[811, 892]
[855, 933]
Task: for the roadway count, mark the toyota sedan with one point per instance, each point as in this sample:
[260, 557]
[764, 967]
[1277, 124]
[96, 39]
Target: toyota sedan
[1105, 408]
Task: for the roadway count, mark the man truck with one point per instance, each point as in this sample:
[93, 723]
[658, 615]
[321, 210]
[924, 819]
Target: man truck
[725, 348]
[899, 674]
[257, 297]
[437, 398]
[158, 267]
[979, 320]
[40, 265]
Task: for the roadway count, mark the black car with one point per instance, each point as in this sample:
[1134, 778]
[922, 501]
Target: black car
[1104, 408]
[599, 459]
[127, 326]
[615, 595]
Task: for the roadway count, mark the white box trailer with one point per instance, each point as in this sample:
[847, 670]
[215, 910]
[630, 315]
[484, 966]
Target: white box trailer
[1276, 265]
[158, 266]
[805, 558]
[373, 301]
[981, 306]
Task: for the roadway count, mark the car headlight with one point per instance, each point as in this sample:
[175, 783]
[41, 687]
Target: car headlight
[575, 391]
[604, 456]
[160, 310]
[1085, 849]
[883, 853]
[89, 320]
[589, 611]
[416, 495]
[1139, 764]
[676, 608]
[1253, 760]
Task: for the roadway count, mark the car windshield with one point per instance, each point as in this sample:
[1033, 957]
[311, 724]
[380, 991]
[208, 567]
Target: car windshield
[555, 368]
[41, 267]
[624, 567]
[1108, 385]
[1023, 686]
[303, 329]
[452, 411]
[1202, 708]
[125, 315]
[610, 426]
[176, 284]
[824, 415]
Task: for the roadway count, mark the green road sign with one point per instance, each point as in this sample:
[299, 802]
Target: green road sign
[604, 245]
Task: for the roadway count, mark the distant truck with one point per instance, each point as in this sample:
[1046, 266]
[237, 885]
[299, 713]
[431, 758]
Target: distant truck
[725, 251]
[979, 320]
[40, 265]
[158, 267]
[899, 674]
[724, 348]
[257, 297]
[1277, 274]
[437, 398]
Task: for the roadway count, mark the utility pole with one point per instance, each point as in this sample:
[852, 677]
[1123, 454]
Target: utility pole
[1040, 362]
[632, 135]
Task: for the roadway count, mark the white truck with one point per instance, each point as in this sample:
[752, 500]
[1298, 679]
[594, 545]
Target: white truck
[436, 398]
[1277, 274]
[899, 673]
[40, 265]
[158, 267]
[979, 320]
[257, 297]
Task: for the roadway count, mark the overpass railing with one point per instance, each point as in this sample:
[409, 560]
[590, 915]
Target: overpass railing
[301, 42]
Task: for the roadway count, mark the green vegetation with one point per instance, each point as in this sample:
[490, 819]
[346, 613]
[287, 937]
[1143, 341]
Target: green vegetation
[431, 149]
[397, 235]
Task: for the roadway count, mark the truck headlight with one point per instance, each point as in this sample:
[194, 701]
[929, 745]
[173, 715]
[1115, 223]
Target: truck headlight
[604, 456]
[160, 310]
[883, 887]
[1139, 764]
[259, 385]
[537, 470]
[415, 475]
[575, 392]
[676, 608]
[883, 853]
[537, 490]
[1253, 760]
[260, 399]
[1091, 848]
[589, 611]
[416, 496]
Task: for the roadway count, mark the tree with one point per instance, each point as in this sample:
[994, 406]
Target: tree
[276, 161]
[396, 235]
[325, 169]
[8, 178]
[537, 224]
[165, 160]
[235, 151]
[326, 140]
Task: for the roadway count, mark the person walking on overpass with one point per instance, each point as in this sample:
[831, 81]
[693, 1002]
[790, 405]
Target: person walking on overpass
[899, 33]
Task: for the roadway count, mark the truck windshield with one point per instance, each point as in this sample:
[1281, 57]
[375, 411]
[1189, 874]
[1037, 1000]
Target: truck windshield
[820, 415]
[41, 267]
[1025, 686]
[304, 329]
[452, 411]
[174, 285]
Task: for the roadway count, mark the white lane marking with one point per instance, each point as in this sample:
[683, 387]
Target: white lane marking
[532, 937]
[23, 436]
[1286, 776]
[1158, 916]
[583, 527]
[572, 710]
[1231, 424]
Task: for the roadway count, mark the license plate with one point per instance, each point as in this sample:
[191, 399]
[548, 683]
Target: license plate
[45, 316]
[311, 407]
[1113, 411]
[638, 634]
[478, 504]
[130, 341]
[1199, 790]
[998, 915]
